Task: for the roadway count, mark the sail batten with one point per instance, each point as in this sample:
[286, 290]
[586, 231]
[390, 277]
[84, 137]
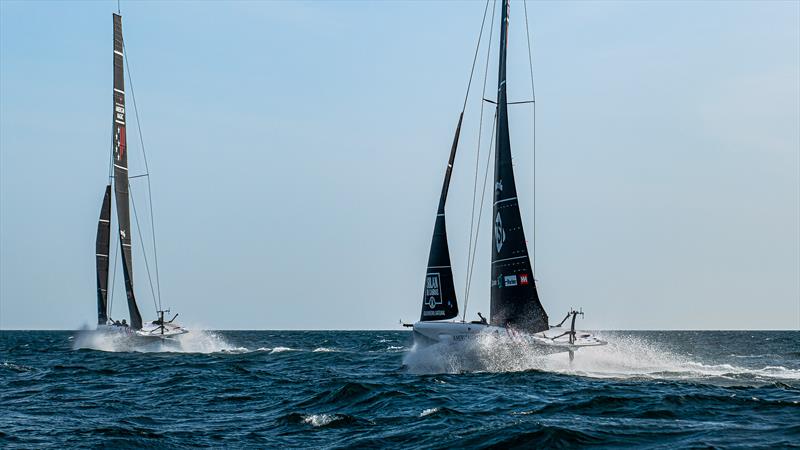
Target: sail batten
[514, 298]
[120, 163]
[102, 246]
[439, 301]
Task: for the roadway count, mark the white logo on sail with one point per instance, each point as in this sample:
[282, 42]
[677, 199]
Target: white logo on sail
[433, 291]
[499, 233]
[432, 302]
[122, 233]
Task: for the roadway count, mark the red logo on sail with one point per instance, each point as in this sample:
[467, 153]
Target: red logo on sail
[120, 143]
[523, 279]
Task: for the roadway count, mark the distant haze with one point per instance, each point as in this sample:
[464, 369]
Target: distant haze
[297, 151]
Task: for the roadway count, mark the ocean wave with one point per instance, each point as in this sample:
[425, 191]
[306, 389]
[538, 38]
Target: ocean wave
[16, 367]
[320, 420]
[428, 412]
[644, 389]
[282, 349]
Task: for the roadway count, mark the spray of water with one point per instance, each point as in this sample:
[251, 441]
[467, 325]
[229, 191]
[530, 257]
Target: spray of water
[195, 341]
[625, 357]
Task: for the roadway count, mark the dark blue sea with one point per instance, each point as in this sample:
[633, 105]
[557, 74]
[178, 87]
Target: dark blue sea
[233, 389]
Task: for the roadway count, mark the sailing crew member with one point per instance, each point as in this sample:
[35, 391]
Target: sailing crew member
[124, 323]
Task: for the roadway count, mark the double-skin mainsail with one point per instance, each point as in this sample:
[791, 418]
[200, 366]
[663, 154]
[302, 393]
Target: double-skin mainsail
[121, 194]
[514, 299]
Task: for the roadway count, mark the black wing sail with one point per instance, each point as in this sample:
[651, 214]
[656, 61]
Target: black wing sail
[514, 300]
[121, 173]
[439, 301]
[101, 254]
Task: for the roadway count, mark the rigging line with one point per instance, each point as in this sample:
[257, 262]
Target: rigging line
[144, 250]
[475, 57]
[533, 96]
[477, 165]
[480, 210]
[147, 172]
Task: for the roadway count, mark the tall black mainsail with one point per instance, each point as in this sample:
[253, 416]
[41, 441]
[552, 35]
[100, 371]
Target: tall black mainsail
[120, 161]
[514, 300]
[101, 254]
[439, 301]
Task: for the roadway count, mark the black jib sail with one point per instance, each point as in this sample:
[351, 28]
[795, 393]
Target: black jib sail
[101, 254]
[514, 300]
[121, 173]
[439, 301]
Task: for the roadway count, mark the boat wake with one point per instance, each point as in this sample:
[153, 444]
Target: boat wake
[625, 357]
[196, 341]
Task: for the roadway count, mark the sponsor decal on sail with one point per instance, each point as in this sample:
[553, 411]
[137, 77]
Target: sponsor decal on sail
[510, 280]
[523, 279]
[119, 140]
[433, 295]
[499, 233]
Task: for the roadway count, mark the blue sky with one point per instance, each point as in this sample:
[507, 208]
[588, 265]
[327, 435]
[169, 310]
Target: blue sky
[297, 151]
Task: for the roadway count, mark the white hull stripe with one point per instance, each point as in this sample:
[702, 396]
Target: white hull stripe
[509, 259]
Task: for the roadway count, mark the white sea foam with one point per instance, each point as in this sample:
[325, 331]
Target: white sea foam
[16, 367]
[320, 420]
[324, 350]
[428, 412]
[281, 349]
[623, 357]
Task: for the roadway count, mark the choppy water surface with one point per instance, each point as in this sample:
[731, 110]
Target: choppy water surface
[370, 388]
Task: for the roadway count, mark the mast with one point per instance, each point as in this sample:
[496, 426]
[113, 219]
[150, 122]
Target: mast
[514, 299]
[120, 162]
[439, 300]
[101, 254]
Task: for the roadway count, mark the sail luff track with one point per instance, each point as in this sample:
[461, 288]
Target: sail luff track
[514, 298]
[120, 162]
[102, 248]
